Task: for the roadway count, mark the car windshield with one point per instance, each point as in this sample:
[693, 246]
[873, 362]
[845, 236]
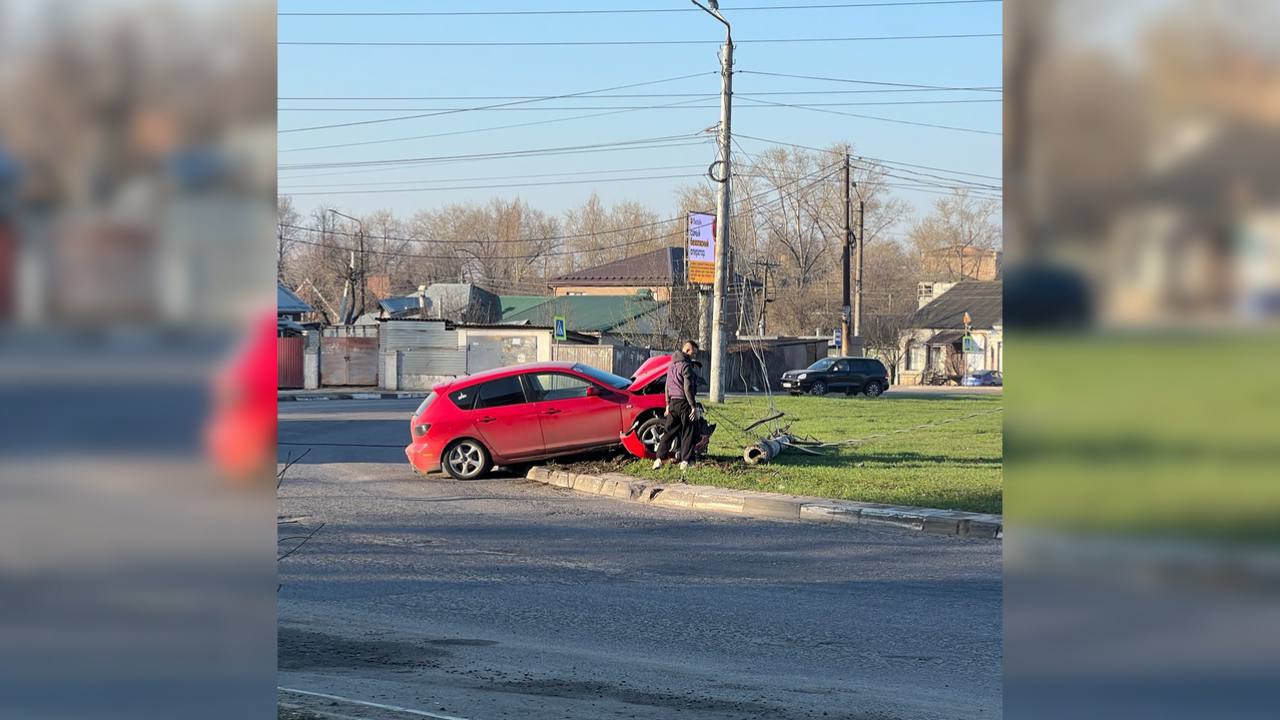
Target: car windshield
[823, 364]
[606, 378]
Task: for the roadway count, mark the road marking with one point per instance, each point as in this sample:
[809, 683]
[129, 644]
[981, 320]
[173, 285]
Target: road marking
[380, 706]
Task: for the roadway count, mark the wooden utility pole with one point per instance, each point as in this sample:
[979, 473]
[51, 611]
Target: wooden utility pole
[763, 324]
[857, 293]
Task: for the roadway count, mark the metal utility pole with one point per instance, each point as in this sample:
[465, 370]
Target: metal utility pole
[358, 291]
[857, 293]
[718, 340]
[845, 340]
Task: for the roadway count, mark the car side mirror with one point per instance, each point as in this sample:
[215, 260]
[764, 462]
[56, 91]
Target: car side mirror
[593, 391]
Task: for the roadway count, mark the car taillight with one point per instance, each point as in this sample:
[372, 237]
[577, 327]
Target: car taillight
[421, 429]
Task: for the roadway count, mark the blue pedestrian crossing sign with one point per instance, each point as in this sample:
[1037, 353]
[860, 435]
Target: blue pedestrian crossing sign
[562, 331]
[971, 344]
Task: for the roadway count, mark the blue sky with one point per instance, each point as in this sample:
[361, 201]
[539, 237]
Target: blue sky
[464, 72]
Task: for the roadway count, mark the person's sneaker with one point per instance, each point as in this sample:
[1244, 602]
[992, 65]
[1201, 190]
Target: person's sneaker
[684, 465]
[657, 464]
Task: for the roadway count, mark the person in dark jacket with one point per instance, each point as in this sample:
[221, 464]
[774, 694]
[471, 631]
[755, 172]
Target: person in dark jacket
[682, 409]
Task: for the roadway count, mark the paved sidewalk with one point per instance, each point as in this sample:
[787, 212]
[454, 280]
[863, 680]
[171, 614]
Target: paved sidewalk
[776, 506]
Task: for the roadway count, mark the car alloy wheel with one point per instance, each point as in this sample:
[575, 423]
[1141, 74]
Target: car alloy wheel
[650, 433]
[466, 460]
[818, 388]
[874, 389]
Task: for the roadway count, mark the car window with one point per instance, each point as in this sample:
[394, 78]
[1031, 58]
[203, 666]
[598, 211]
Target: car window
[465, 398]
[601, 376]
[841, 366]
[503, 391]
[868, 366]
[426, 403]
[821, 365]
[555, 386]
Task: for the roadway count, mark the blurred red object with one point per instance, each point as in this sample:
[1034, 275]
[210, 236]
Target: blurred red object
[240, 438]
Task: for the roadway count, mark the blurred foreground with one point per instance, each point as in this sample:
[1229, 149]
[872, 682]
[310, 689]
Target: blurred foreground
[136, 219]
[1142, 217]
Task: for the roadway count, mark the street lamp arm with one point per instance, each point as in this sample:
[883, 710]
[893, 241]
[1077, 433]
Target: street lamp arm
[349, 217]
[714, 11]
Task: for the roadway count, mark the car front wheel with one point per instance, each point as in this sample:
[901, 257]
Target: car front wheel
[873, 389]
[650, 433]
[818, 388]
[466, 460]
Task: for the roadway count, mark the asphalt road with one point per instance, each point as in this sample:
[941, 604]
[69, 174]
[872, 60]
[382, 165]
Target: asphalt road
[501, 598]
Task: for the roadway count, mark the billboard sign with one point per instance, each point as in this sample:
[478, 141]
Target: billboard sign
[701, 256]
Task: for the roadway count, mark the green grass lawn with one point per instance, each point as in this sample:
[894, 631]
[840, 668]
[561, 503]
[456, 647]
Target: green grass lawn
[1151, 434]
[954, 466]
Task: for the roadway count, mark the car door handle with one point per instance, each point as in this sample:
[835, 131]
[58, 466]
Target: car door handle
[553, 411]
[487, 419]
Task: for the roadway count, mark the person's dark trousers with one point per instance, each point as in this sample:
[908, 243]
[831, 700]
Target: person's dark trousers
[677, 432]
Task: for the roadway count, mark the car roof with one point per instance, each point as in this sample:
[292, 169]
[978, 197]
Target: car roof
[502, 372]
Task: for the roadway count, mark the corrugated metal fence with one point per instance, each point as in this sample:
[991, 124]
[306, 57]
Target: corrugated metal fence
[289, 362]
[619, 360]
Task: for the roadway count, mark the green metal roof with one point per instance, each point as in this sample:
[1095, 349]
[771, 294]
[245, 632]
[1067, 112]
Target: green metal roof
[512, 304]
[582, 313]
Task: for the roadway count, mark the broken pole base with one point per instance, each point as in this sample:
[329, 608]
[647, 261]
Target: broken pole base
[766, 450]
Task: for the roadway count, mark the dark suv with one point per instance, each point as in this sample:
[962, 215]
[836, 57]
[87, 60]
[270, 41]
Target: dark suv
[852, 375]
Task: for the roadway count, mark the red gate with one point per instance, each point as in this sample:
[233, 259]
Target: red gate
[289, 362]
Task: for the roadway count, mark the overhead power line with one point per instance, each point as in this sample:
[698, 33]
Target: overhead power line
[897, 121]
[494, 187]
[881, 161]
[647, 143]
[828, 169]
[505, 177]
[984, 88]
[904, 88]
[595, 43]
[470, 131]
[626, 11]
[642, 107]
[525, 256]
[503, 104]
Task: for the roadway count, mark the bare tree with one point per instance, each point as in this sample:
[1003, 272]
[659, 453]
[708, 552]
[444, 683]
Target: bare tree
[287, 233]
[959, 225]
[884, 338]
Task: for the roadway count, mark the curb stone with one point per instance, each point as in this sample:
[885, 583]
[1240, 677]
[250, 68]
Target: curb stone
[751, 503]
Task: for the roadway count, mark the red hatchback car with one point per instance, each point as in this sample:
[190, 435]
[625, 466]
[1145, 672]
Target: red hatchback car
[530, 412]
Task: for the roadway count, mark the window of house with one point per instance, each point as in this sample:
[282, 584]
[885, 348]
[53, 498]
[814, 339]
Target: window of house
[916, 356]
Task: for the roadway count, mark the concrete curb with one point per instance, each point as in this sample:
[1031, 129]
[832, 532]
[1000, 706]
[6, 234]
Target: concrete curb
[774, 506]
[360, 395]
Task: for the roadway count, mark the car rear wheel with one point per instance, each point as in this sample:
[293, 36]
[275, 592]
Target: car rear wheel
[650, 433]
[818, 388]
[873, 389]
[466, 460]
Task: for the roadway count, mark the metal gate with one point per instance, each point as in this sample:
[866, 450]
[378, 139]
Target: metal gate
[289, 362]
[348, 361]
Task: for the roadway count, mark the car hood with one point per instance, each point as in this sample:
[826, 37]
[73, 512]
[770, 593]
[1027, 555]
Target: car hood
[651, 370]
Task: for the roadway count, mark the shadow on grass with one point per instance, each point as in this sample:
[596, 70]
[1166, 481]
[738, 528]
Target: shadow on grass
[797, 459]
